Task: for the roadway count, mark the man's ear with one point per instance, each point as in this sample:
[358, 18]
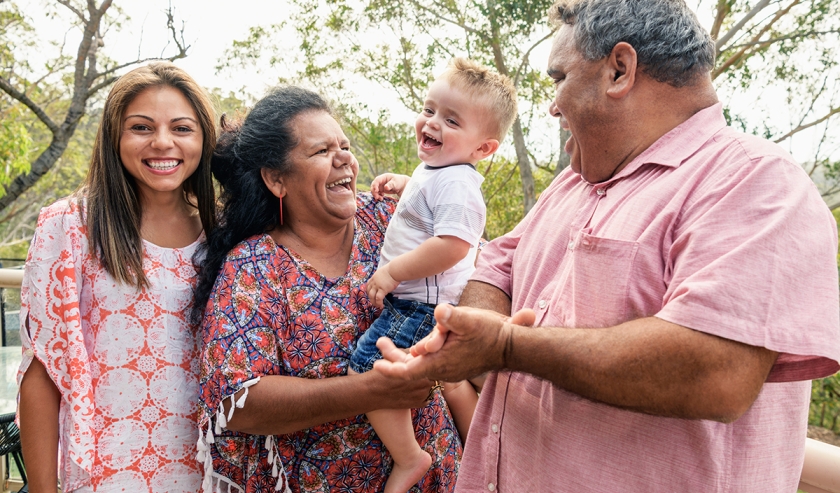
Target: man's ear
[622, 64]
[273, 181]
[487, 148]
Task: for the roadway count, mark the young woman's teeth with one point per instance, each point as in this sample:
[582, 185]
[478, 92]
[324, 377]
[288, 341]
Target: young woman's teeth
[162, 165]
[343, 181]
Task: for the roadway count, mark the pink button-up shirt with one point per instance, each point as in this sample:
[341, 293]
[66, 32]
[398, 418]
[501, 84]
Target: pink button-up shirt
[710, 229]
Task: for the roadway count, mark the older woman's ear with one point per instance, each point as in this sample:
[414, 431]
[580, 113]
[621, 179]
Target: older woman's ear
[273, 181]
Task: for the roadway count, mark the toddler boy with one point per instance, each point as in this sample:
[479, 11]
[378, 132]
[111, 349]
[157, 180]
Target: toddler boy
[431, 243]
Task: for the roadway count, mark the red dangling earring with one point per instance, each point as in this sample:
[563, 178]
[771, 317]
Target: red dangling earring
[281, 211]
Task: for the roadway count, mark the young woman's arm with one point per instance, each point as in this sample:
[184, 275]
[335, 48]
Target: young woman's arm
[39, 401]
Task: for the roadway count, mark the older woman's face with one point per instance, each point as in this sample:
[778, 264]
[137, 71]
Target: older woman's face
[321, 187]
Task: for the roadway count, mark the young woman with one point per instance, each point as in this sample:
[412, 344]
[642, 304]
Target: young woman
[109, 372]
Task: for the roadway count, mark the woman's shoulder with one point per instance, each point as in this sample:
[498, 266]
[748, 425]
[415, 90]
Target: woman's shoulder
[373, 212]
[255, 246]
[65, 212]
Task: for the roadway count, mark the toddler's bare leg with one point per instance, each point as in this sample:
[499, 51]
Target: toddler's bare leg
[397, 433]
[462, 399]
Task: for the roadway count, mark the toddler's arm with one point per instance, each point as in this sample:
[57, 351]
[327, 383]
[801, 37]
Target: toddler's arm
[433, 256]
[388, 183]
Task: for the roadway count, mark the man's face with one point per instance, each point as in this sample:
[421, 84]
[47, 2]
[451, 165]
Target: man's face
[580, 101]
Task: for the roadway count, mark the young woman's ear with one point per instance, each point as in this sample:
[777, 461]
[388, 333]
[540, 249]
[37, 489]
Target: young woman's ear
[273, 181]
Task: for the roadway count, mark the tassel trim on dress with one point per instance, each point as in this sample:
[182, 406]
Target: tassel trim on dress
[214, 482]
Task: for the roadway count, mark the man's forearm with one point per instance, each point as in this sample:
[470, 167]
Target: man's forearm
[647, 365]
[479, 294]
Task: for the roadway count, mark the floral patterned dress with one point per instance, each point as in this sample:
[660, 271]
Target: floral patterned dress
[271, 313]
[123, 360]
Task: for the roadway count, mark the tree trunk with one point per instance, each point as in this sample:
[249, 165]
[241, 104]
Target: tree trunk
[529, 196]
[40, 167]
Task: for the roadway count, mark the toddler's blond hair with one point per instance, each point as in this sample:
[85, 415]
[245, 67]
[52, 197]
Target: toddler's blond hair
[492, 90]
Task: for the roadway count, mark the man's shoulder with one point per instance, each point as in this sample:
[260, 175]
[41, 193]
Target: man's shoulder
[743, 147]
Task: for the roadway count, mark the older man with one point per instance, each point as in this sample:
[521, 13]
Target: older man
[682, 276]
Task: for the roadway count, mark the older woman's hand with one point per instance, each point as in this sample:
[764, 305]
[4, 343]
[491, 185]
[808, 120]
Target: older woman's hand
[398, 393]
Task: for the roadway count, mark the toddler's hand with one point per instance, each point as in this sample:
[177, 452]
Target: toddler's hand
[380, 284]
[429, 344]
[388, 183]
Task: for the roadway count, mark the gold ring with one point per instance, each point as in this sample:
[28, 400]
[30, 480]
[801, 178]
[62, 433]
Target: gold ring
[436, 386]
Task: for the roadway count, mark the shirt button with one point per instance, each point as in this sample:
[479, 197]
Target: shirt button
[495, 428]
[541, 304]
[29, 353]
[572, 245]
[601, 191]
[491, 487]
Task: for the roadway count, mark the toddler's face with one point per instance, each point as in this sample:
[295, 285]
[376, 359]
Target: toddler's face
[449, 128]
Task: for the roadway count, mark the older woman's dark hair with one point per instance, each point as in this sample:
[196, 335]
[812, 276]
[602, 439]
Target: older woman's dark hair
[113, 213]
[263, 140]
[671, 44]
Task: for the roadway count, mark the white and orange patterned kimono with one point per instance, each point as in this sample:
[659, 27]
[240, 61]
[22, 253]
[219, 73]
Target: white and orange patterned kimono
[124, 360]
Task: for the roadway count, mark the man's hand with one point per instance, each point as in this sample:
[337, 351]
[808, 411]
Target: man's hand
[471, 342]
[388, 183]
[380, 284]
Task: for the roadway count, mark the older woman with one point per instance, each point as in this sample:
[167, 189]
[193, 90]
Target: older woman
[285, 303]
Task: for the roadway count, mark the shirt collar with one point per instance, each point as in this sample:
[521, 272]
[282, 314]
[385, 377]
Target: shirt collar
[673, 148]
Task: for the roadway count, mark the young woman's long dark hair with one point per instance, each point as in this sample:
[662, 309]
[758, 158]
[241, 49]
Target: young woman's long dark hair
[113, 213]
[263, 140]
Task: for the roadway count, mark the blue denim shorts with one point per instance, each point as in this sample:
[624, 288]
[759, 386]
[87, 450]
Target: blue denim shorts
[403, 321]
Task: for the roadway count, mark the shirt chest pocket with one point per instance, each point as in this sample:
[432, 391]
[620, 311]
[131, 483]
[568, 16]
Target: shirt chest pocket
[595, 277]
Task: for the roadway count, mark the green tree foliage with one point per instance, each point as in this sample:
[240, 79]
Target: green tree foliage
[398, 44]
[57, 93]
[782, 52]
[825, 403]
[15, 145]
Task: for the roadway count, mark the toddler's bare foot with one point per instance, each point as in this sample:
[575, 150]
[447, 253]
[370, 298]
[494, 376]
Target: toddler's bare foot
[405, 475]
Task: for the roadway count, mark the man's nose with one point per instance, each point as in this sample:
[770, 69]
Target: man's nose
[553, 110]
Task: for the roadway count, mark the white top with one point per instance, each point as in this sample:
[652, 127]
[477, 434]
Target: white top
[123, 360]
[443, 201]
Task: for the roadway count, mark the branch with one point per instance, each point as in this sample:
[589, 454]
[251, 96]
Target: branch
[723, 8]
[23, 98]
[98, 87]
[525, 57]
[181, 44]
[465, 27]
[802, 127]
[783, 38]
[740, 55]
[73, 9]
[737, 27]
[182, 53]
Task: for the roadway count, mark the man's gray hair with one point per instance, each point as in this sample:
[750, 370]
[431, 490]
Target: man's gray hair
[671, 44]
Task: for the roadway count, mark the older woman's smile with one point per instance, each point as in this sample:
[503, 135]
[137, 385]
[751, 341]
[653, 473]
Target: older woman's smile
[344, 184]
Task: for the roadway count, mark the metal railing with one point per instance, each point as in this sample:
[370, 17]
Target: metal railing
[820, 474]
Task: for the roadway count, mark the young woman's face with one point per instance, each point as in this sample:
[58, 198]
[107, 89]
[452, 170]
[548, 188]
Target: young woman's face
[161, 141]
[321, 185]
